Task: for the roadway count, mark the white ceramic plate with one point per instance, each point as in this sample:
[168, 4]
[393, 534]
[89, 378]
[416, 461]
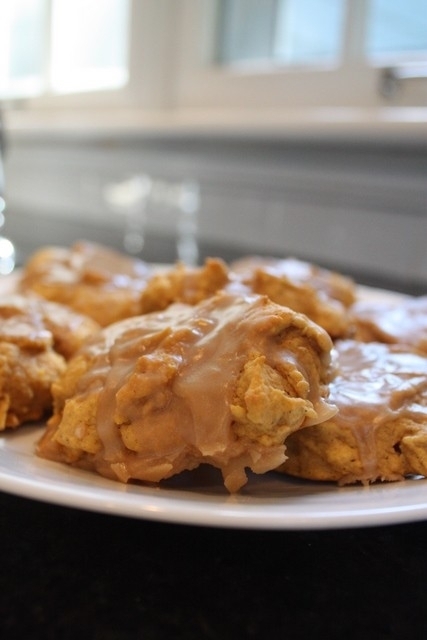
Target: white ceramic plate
[271, 501]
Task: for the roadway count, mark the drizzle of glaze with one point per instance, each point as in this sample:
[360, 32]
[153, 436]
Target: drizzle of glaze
[166, 382]
[377, 383]
[401, 323]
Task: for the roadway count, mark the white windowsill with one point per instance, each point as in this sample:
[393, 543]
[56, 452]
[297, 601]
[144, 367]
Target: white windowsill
[350, 124]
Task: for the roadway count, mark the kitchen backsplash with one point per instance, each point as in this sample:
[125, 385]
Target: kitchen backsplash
[360, 208]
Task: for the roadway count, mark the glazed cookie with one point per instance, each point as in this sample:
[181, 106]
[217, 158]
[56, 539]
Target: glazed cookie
[90, 278]
[323, 295]
[36, 339]
[181, 283]
[224, 383]
[380, 430]
[400, 322]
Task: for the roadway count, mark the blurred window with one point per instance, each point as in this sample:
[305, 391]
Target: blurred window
[396, 29]
[89, 45]
[213, 53]
[22, 54]
[62, 46]
[301, 32]
[286, 32]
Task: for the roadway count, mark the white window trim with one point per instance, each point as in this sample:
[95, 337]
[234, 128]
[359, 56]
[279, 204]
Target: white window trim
[353, 84]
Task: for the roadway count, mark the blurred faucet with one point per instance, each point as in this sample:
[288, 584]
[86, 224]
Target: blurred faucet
[7, 250]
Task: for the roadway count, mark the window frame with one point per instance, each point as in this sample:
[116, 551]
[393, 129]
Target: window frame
[354, 83]
[178, 87]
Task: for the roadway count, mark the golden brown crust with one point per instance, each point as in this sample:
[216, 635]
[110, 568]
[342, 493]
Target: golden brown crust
[25, 379]
[400, 322]
[181, 283]
[223, 382]
[380, 430]
[36, 339]
[324, 296]
[30, 317]
[90, 278]
[109, 286]
[330, 453]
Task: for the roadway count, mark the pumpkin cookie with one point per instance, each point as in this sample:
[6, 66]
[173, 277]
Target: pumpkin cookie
[380, 430]
[223, 382]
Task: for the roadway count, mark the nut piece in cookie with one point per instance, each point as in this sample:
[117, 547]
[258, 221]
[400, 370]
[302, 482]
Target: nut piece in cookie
[224, 383]
[380, 430]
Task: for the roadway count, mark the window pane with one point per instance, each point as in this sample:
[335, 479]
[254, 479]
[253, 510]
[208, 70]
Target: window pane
[309, 30]
[397, 27]
[89, 44]
[284, 31]
[22, 46]
[245, 30]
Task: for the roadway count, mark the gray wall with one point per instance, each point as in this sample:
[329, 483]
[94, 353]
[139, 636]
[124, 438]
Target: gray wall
[361, 208]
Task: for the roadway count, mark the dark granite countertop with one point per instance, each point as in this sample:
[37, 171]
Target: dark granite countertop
[70, 574]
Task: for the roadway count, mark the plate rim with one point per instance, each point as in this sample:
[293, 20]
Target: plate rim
[174, 506]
